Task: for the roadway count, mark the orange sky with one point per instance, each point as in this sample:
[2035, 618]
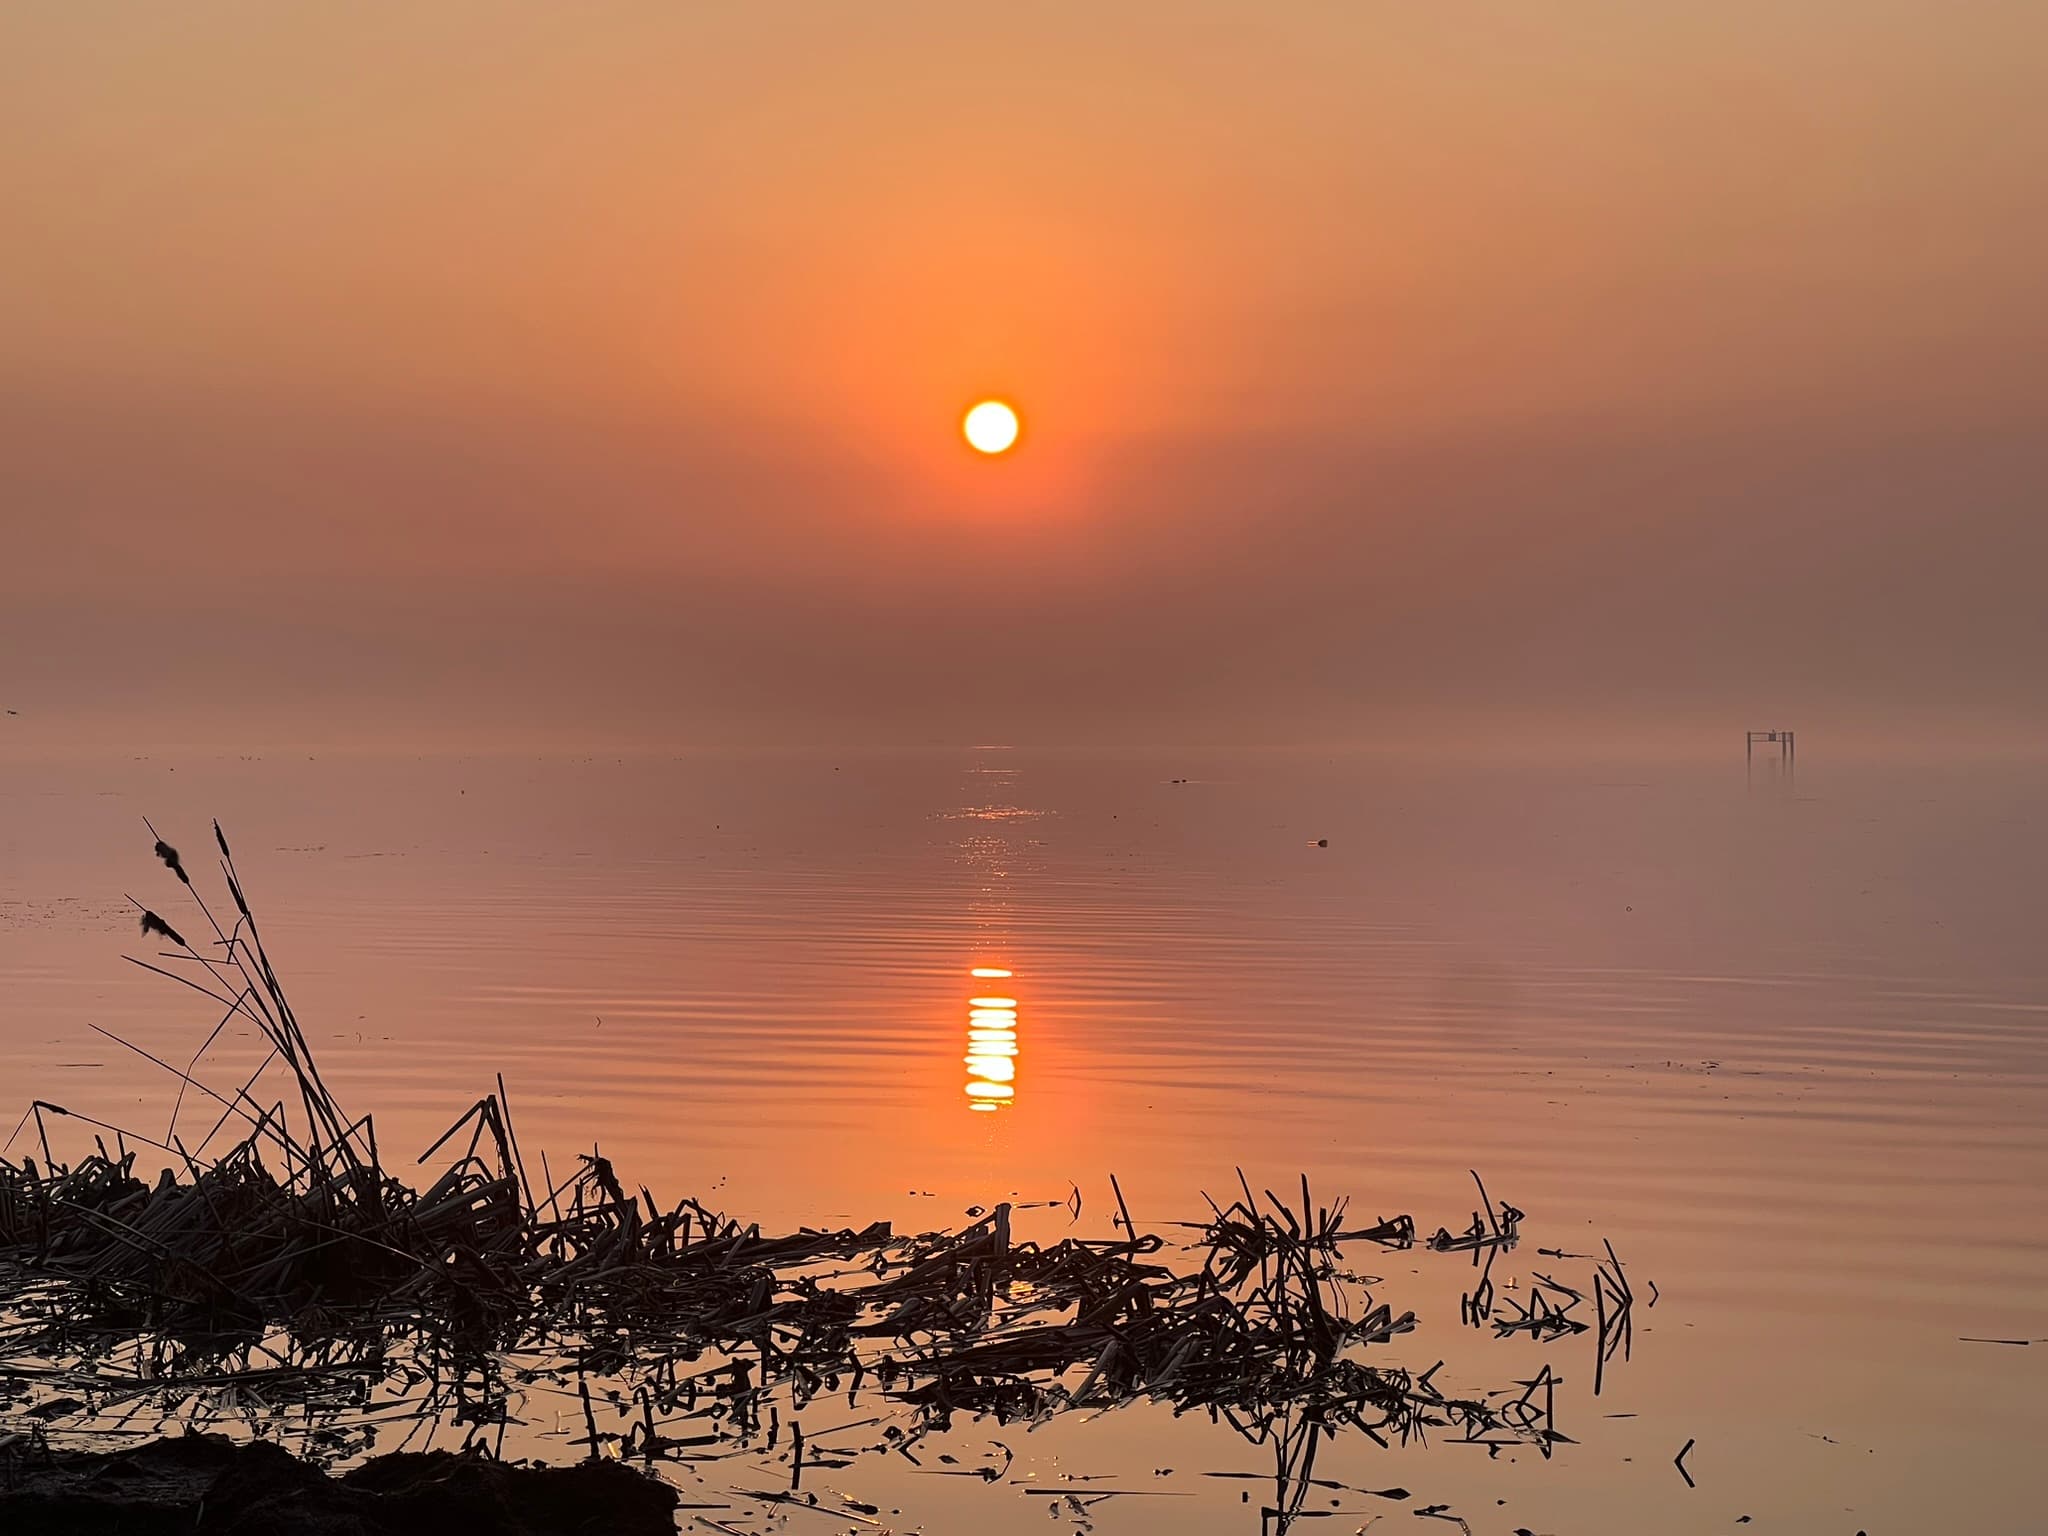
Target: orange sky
[452, 367]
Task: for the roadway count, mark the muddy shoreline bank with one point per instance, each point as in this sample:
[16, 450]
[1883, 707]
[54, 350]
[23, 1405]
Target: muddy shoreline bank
[202, 1482]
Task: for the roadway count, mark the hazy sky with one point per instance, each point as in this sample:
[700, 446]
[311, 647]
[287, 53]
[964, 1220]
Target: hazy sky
[488, 371]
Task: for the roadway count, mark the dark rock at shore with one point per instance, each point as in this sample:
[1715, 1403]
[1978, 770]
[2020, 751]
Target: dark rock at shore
[209, 1484]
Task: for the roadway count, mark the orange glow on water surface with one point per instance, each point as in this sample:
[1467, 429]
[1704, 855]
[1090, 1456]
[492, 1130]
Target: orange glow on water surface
[992, 1053]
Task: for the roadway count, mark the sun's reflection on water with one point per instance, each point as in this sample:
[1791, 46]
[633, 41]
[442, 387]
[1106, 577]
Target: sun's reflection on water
[991, 1046]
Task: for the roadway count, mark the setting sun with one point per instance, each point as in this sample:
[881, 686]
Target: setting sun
[991, 427]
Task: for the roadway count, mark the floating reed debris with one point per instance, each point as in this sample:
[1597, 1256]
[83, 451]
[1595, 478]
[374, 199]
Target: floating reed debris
[275, 1272]
[1614, 1308]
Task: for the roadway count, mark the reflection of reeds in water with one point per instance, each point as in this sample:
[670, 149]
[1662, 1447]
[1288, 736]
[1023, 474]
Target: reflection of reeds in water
[991, 1046]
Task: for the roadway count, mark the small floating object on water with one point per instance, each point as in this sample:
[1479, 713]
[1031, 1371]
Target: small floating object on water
[1322, 842]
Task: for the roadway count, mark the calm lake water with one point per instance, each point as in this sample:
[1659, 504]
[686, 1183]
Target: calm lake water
[1786, 1046]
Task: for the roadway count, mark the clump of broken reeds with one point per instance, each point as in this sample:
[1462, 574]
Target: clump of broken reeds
[276, 1260]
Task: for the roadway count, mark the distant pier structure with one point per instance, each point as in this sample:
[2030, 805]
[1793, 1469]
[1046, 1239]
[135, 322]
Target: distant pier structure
[1787, 745]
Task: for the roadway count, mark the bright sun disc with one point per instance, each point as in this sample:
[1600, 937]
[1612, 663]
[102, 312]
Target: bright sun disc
[991, 426]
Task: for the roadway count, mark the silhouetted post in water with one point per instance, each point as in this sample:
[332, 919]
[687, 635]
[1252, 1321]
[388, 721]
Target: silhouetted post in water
[1787, 751]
